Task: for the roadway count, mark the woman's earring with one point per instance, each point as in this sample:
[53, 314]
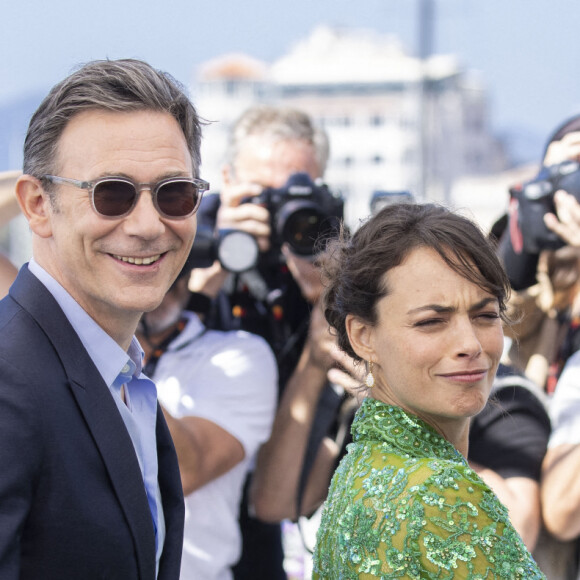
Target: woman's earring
[370, 380]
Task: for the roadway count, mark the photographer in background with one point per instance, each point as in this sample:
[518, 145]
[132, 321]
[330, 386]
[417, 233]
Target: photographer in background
[277, 158]
[544, 214]
[218, 394]
[543, 270]
[560, 490]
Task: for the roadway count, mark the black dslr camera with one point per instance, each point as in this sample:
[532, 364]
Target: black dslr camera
[301, 212]
[536, 198]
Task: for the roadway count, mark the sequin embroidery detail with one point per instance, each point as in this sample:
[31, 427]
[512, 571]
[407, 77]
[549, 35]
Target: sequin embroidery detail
[404, 503]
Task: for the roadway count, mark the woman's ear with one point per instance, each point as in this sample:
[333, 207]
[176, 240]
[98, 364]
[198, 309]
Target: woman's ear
[360, 337]
[35, 205]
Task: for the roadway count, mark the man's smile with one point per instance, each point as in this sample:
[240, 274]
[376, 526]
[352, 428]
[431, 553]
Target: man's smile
[138, 261]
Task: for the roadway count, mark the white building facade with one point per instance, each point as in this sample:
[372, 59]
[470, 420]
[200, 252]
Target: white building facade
[394, 122]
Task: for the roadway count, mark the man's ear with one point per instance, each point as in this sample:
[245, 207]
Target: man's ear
[35, 205]
[360, 337]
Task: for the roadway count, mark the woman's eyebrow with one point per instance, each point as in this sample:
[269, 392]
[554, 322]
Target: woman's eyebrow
[440, 309]
[432, 307]
[483, 303]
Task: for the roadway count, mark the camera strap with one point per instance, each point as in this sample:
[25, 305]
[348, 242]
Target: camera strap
[160, 349]
[326, 413]
[255, 283]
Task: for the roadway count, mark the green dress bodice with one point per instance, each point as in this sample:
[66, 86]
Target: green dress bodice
[404, 503]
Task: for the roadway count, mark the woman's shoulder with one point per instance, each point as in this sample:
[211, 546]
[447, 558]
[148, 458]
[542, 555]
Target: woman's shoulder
[371, 469]
[422, 514]
[435, 483]
[381, 457]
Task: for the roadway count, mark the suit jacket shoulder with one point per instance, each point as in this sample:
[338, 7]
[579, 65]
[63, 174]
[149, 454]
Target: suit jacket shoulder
[78, 504]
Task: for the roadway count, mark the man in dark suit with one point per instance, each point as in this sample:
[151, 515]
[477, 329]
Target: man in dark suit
[90, 486]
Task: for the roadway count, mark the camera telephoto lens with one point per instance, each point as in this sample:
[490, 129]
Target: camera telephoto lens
[300, 224]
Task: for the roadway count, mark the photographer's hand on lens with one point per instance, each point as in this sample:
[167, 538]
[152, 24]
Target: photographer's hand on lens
[566, 222]
[247, 217]
[207, 281]
[568, 147]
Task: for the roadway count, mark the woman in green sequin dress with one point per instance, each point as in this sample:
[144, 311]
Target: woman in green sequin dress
[419, 295]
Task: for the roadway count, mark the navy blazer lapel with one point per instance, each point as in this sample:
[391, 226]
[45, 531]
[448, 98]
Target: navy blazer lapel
[99, 410]
[172, 497]
[116, 448]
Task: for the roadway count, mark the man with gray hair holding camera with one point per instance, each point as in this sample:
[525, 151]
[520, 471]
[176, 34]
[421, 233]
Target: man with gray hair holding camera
[90, 486]
[273, 153]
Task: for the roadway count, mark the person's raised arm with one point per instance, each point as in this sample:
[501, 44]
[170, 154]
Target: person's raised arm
[204, 450]
[560, 486]
[279, 466]
[276, 481]
[561, 491]
[234, 394]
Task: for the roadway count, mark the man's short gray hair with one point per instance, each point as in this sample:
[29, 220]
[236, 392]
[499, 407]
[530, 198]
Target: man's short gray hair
[111, 85]
[278, 124]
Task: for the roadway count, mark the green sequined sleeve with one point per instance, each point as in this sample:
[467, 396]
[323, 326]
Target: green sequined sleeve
[389, 517]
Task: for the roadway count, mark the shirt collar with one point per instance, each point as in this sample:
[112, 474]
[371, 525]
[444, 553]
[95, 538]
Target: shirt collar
[109, 358]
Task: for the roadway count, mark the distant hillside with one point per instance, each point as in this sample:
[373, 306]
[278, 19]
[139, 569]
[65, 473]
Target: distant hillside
[14, 118]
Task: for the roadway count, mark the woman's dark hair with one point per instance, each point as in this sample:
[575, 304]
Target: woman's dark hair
[353, 267]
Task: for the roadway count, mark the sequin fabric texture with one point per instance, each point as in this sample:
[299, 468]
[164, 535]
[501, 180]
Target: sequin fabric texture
[404, 504]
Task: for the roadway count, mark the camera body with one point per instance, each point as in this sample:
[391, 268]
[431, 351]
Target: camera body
[301, 212]
[536, 198]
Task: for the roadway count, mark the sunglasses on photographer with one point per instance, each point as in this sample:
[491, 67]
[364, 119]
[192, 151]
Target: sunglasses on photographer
[115, 197]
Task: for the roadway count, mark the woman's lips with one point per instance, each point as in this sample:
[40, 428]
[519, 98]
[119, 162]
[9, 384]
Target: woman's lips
[466, 376]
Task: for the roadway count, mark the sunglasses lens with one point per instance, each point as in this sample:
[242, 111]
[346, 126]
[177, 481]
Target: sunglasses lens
[114, 198]
[178, 199]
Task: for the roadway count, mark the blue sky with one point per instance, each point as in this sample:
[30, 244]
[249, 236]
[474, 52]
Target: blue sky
[528, 51]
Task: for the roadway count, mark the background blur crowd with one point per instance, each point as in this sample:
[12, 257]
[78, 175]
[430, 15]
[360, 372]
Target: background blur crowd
[267, 419]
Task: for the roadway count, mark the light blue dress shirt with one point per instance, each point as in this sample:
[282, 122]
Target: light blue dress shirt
[119, 368]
